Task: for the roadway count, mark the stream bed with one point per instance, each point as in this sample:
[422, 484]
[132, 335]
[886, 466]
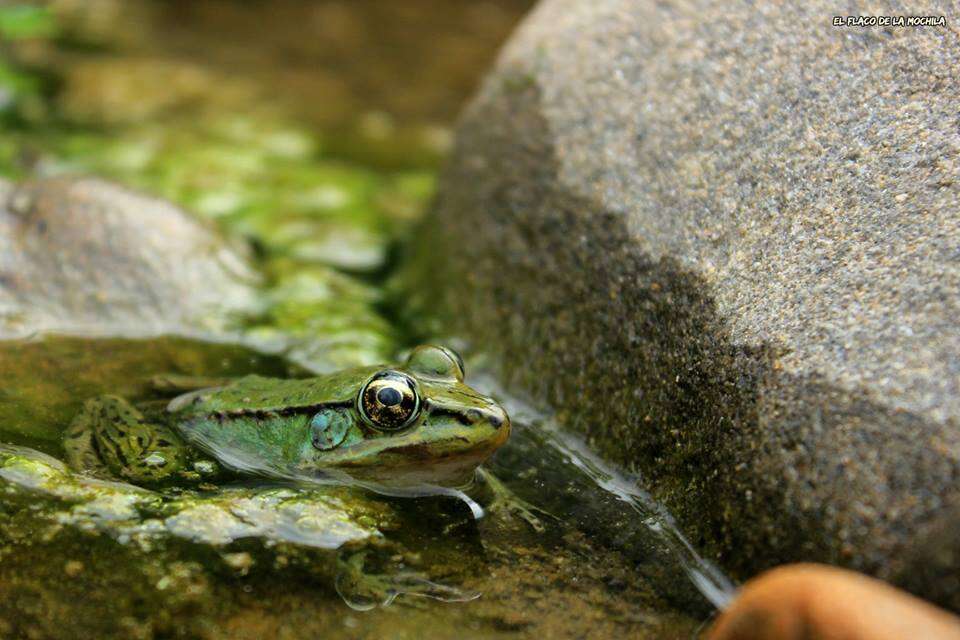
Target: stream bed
[309, 135]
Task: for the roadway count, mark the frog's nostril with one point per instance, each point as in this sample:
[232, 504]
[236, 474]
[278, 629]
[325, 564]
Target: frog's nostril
[494, 417]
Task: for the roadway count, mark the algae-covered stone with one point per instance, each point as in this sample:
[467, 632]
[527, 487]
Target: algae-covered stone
[110, 560]
[323, 518]
[722, 240]
[179, 555]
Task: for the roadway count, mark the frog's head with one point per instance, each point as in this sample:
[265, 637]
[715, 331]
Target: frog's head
[414, 424]
[418, 423]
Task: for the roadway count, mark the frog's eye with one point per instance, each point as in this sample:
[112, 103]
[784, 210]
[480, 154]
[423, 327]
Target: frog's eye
[389, 401]
[436, 362]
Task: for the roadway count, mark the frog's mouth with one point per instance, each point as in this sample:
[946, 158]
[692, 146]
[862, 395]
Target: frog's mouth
[432, 453]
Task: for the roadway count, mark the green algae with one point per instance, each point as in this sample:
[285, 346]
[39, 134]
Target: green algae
[332, 223]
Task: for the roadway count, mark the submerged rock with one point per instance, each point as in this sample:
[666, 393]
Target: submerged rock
[47, 380]
[722, 240]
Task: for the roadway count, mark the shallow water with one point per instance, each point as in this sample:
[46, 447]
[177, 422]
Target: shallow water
[322, 153]
[608, 559]
[657, 527]
[47, 378]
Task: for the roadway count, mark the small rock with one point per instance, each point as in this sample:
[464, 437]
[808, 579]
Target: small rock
[88, 256]
[240, 562]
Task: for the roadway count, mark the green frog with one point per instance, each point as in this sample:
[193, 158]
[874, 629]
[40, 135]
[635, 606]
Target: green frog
[396, 427]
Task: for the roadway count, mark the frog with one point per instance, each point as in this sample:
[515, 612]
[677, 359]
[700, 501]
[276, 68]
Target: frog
[400, 426]
[399, 430]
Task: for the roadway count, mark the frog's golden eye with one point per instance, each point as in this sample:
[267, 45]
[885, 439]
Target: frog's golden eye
[389, 401]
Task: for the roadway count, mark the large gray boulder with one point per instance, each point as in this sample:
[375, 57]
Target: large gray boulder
[723, 240]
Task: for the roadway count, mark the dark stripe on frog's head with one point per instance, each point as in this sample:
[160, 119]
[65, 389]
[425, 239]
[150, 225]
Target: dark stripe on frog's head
[264, 414]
